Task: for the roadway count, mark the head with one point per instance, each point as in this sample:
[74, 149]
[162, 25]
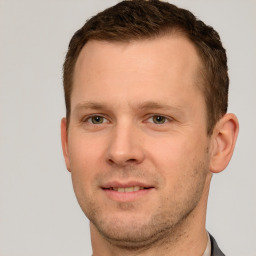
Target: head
[137, 20]
[146, 94]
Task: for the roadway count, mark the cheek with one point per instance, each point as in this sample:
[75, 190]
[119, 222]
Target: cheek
[176, 157]
[82, 164]
[85, 156]
[183, 167]
[85, 152]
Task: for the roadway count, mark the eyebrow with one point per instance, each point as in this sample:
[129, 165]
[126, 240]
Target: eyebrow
[145, 106]
[156, 105]
[89, 105]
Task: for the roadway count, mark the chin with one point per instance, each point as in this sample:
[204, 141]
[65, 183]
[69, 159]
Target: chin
[131, 235]
[135, 231]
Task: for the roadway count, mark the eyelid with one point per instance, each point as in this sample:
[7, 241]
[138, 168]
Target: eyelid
[168, 118]
[86, 118]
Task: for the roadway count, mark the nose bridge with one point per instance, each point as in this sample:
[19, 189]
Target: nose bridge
[124, 144]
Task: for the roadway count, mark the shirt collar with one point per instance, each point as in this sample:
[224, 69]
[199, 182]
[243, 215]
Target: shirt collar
[207, 251]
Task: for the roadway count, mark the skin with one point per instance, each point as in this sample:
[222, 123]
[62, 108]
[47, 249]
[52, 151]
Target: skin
[138, 117]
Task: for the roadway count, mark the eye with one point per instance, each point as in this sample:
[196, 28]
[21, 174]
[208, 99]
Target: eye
[158, 119]
[96, 120]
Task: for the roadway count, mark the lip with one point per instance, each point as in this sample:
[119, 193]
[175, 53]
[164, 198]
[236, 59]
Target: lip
[117, 184]
[126, 196]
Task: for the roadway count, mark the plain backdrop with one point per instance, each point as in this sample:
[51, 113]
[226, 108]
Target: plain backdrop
[39, 214]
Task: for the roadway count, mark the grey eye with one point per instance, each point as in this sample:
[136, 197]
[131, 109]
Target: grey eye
[97, 119]
[159, 119]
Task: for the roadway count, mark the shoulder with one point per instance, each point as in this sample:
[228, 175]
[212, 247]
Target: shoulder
[215, 248]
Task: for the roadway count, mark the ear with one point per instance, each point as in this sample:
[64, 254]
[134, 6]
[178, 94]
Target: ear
[223, 142]
[64, 142]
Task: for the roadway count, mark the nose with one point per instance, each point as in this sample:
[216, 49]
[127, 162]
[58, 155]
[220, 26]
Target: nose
[125, 146]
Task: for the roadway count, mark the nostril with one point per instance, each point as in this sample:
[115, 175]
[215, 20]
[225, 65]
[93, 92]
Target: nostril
[110, 161]
[125, 162]
[131, 160]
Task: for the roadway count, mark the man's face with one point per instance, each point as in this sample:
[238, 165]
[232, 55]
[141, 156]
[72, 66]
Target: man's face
[137, 144]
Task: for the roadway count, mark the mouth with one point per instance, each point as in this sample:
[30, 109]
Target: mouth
[127, 192]
[127, 189]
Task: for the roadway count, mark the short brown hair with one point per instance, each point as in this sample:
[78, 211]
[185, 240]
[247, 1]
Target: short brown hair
[141, 19]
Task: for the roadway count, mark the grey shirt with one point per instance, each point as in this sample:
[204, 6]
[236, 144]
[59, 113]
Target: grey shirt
[215, 248]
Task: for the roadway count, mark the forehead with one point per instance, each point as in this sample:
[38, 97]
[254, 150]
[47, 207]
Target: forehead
[136, 69]
[161, 49]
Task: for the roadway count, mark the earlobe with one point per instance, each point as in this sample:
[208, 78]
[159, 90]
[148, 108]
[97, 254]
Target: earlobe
[223, 139]
[64, 142]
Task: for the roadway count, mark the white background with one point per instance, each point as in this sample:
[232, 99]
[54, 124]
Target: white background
[39, 215]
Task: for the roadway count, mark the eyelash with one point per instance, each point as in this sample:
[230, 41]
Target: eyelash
[166, 119]
[86, 120]
[155, 116]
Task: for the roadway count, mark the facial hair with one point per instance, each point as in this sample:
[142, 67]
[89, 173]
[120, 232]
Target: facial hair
[163, 225]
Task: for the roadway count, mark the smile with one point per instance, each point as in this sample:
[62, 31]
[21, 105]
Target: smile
[127, 190]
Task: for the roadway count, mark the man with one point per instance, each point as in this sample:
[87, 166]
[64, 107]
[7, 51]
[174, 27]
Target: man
[146, 90]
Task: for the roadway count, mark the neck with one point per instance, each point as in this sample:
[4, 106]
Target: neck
[188, 239]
